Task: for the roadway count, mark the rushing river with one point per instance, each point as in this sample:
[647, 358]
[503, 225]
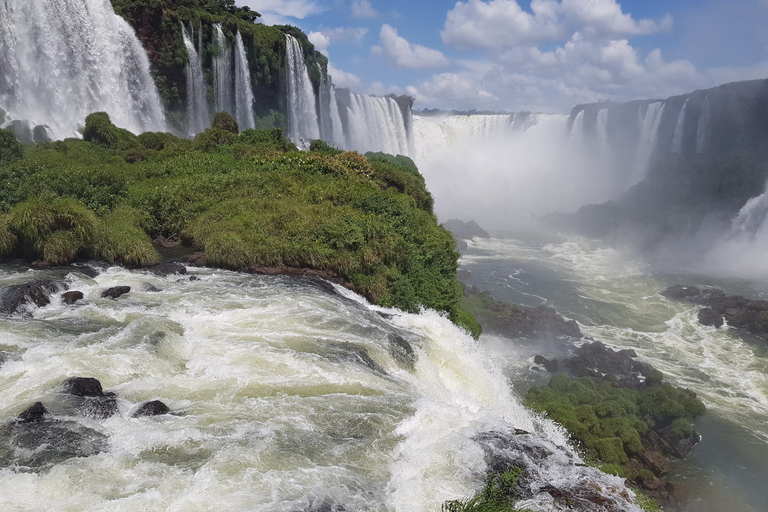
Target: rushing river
[286, 395]
[615, 298]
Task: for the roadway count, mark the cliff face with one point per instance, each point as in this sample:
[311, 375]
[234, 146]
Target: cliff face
[158, 25]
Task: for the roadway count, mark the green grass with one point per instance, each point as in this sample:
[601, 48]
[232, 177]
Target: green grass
[498, 495]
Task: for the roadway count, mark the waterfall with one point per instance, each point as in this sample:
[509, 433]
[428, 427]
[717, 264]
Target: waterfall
[198, 116]
[243, 89]
[577, 130]
[677, 138]
[60, 60]
[703, 126]
[302, 110]
[378, 124]
[602, 131]
[222, 72]
[336, 125]
[649, 130]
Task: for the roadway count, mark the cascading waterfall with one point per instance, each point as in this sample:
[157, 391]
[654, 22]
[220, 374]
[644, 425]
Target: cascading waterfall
[222, 72]
[336, 124]
[302, 104]
[377, 124]
[702, 128]
[677, 138]
[602, 132]
[60, 60]
[243, 88]
[198, 115]
[649, 132]
[577, 130]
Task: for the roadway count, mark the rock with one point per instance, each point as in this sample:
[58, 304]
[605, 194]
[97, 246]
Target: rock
[750, 315]
[161, 241]
[35, 412]
[707, 316]
[153, 408]
[655, 461]
[680, 291]
[151, 288]
[461, 245]
[45, 441]
[71, 297]
[551, 365]
[116, 291]
[401, 350]
[168, 269]
[14, 298]
[198, 259]
[465, 230]
[83, 386]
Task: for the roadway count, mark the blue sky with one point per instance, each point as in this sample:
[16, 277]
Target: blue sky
[540, 55]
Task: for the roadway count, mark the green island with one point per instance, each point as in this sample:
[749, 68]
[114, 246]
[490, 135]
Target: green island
[247, 200]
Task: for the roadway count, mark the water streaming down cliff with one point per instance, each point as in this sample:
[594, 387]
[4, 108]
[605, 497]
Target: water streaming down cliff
[649, 135]
[302, 104]
[243, 88]
[285, 394]
[677, 137]
[61, 60]
[378, 123]
[223, 76]
[198, 115]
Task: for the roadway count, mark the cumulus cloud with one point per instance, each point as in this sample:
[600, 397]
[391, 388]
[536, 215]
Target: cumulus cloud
[275, 12]
[323, 37]
[405, 54]
[495, 23]
[363, 9]
[342, 78]
[457, 90]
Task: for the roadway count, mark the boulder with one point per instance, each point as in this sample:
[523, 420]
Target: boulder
[551, 365]
[71, 297]
[152, 408]
[35, 412]
[198, 259]
[168, 269]
[465, 230]
[680, 291]
[83, 386]
[116, 291]
[161, 241]
[14, 298]
[88, 398]
[44, 441]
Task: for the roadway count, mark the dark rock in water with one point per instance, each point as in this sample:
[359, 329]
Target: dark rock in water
[401, 350]
[71, 297]
[14, 298]
[153, 408]
[35, 412]
[680, 291]
[595, 359]
[198, 259]
[168, 269]
[708, 316]
[44, 442]
[40, 134]
[86, 270]
[161, 241]
[151, 288]
[356, 355]
[116, 291]
[465, 230]
[551, 365]
[83, 386]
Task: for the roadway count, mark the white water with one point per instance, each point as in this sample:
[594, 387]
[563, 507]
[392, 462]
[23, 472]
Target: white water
[302, 104]
[602, 132]
[677, 138]
[243, 88]
[702, 128]
[336, 125]
[577, 130]
[198, 116]
[377, 123]
[284, 396]
[649, 136]
[61, 60]
[223, 83]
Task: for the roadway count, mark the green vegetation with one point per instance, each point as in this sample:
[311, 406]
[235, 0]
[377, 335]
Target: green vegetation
[609, 422]
[498, 495]
[247, 200]
[10, 147]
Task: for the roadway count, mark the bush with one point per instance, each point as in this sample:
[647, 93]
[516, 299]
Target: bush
[7, 238]
[320, 146]
[100, 130]
[10, 147]
[211, 139]
[120, 238]
[224, 121]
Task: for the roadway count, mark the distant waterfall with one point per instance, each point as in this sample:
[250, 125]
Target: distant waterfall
[677, 138]
[577, 130]
[336, 125]
[198, 116]
[602, 131]
[703, 126]
[377, 124]
[649, 130]
[60, 60]
[222, 72]
[302, 110]
[243, 88]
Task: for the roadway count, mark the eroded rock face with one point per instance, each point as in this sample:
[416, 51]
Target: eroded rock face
[14, 298]
[595, 360]
[116, 291]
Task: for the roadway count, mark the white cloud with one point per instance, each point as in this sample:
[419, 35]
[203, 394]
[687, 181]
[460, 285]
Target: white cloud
[323, 37]
[363, 9]
[343, 79]
[320, 40]
[278, 11]
[453, 90]
[405, 54]
[503, 23]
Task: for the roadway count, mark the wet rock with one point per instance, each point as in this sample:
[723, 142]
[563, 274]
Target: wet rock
[152, 408]
[708, 316]
[83, 386]
[198, 259]
[71, 297]
[14, 298]
[88, 398]
[655, 461]
[35, 412]
[116, 291]
[168, 269]
[324, 505]
[151, 288]
[680, 291]
[401, 350]
[551, 365]
[86, 270]
[161, 241]
[595, 360]
[465, 230]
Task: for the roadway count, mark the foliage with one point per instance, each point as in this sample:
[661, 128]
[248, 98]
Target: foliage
[248, 199]
[608, 422]
[498, 495]
[320, 146]
[225, 121]
[10, 147]
[100, 130]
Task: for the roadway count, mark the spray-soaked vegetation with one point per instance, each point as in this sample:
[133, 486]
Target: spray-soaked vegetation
[247, 200]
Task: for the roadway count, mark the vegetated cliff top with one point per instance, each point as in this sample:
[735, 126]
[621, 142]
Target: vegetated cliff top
[247, 200]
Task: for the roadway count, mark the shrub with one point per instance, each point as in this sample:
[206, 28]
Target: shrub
[224, 121]
[210, 140]
[120, 238]
[320, 146]
[7, 238]
[272, 138]
[100, 130]
[10, 147]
